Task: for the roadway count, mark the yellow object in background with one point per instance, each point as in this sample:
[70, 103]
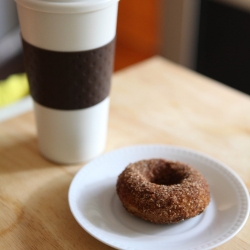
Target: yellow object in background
[13, 88]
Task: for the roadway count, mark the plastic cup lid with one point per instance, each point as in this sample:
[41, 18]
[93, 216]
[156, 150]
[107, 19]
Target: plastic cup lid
[66, 6]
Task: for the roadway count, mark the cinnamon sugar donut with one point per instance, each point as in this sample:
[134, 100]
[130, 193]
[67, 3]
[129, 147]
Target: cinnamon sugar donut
[162, 191]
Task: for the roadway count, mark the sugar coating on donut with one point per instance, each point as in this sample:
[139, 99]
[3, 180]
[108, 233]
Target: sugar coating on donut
[162, 191]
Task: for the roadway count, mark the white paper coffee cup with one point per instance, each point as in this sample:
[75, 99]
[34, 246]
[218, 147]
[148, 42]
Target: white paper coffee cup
[72, 129]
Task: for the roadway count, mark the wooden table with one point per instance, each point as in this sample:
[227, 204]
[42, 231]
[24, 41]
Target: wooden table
[152, 102]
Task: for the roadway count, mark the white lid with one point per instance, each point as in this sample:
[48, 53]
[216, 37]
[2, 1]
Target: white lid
[66, 6]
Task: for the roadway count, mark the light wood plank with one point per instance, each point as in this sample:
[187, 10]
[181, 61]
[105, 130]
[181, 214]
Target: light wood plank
[153, 102]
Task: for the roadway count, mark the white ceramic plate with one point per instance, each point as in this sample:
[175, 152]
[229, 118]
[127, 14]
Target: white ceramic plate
[97, 208]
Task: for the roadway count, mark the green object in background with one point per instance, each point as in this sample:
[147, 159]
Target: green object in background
[13, 88]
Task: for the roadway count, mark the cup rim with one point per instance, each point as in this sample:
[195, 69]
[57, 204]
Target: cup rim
[78, 6]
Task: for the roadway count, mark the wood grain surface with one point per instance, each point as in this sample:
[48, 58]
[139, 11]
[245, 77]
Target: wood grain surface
[152, 102]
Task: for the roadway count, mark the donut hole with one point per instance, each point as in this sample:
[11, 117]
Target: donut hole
[168, 175]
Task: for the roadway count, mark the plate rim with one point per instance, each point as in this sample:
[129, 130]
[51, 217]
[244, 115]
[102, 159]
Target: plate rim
[180, 149]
